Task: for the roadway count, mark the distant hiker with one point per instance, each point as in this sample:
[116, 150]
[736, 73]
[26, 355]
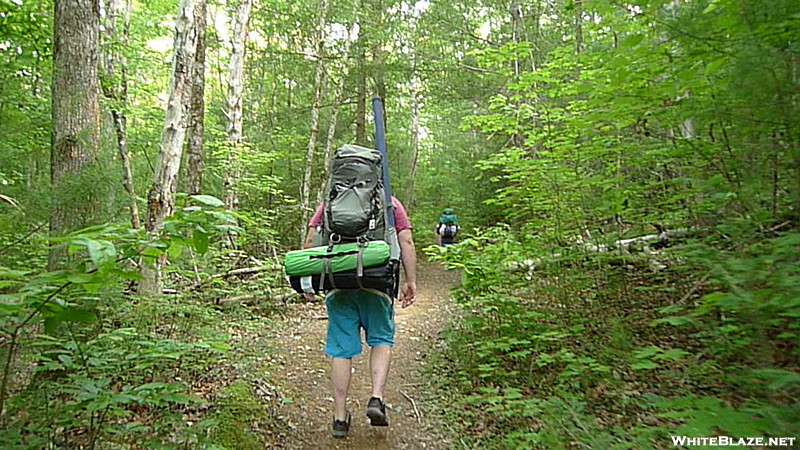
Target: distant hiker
[355, 244]
[447, 228]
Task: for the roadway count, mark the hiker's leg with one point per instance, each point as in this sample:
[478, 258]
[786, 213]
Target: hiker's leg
[340, 379]
[379, 360]
[343, 343]
[378, 319]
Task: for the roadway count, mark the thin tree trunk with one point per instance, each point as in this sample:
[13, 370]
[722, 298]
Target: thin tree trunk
[379, 75]
[114, 62]
[76, 116]
[413, 94]
[578, 27]
[516, 33]
[337, 103]
[161, 200]
[194, 147]
[233, 170]
[305, 191]
[415, 125]
[516, 19]
[361, 105]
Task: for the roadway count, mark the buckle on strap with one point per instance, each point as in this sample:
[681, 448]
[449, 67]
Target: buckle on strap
[360, 263]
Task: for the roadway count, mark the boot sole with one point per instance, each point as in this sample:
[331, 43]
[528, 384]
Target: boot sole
[377, 418]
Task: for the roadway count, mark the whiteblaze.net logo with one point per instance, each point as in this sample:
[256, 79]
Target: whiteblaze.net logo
[727, 440]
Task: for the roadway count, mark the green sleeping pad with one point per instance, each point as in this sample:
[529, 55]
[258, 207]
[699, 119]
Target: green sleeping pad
[343, 257]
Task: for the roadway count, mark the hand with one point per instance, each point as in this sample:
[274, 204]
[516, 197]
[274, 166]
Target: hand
[408, 294]
[309, 297]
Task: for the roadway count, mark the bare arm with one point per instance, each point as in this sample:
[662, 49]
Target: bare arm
[309, 237]
[408, 254]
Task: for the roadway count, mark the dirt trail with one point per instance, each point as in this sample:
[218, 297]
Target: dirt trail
[305, 380]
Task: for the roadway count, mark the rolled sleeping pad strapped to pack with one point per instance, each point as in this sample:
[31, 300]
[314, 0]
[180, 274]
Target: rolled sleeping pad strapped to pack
[381, 278]
[342, 257]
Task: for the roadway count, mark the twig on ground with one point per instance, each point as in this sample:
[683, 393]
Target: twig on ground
[779, 226]
[285, 296]
[244, 271]
[234, 300]
[414, 404]
[693, 290]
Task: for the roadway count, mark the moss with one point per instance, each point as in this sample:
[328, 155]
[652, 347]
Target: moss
[236, 413]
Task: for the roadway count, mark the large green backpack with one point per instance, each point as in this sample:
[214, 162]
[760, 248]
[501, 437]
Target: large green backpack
[354, 199]
[354, 215]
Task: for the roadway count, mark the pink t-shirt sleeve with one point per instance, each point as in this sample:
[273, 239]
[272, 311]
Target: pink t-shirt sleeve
[401, 221]
[316, 219]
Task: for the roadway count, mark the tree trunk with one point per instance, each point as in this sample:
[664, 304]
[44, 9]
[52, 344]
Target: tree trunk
[379, 75]
[516, 35]
[233, 170]
[413, 94]
[361, 105]
[415, 125]
[76, 116]
[161, 200]
[337, 103]
[305, 191]
[516, 21]
[194, 147]
[578, 27]
[118, 14]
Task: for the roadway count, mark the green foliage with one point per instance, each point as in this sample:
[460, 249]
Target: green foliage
[235, 417]
[105, 365]
[668, 117]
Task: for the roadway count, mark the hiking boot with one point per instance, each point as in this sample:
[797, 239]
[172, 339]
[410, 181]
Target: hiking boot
[341, 427]
[376, 411]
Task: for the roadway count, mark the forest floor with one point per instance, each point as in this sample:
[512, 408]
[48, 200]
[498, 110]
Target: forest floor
[302, 372]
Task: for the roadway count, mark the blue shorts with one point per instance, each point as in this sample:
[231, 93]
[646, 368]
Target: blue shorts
[351, 310]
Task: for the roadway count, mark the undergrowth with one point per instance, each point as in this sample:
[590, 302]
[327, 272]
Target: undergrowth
[87, 363]
[600, 351]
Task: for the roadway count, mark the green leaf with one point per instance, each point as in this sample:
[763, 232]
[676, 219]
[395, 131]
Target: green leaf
[94, 248]
[644, 365]
[102, 253]
[75, 315]
[711, 7]
[175, 250]
[208, 200]
[672, 354]
[51, 325]
[92, 287]
[81, 278]
[200, 240]
[10, 274]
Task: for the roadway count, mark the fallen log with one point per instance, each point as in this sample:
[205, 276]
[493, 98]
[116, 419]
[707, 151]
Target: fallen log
[627, 244]
[623, 245]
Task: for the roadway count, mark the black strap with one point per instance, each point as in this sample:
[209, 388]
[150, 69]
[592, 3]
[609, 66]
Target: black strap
[334, 255]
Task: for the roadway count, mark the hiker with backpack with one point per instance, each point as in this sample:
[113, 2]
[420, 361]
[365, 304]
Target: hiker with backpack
[447, 228]
[356, 242]
[349, 310]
